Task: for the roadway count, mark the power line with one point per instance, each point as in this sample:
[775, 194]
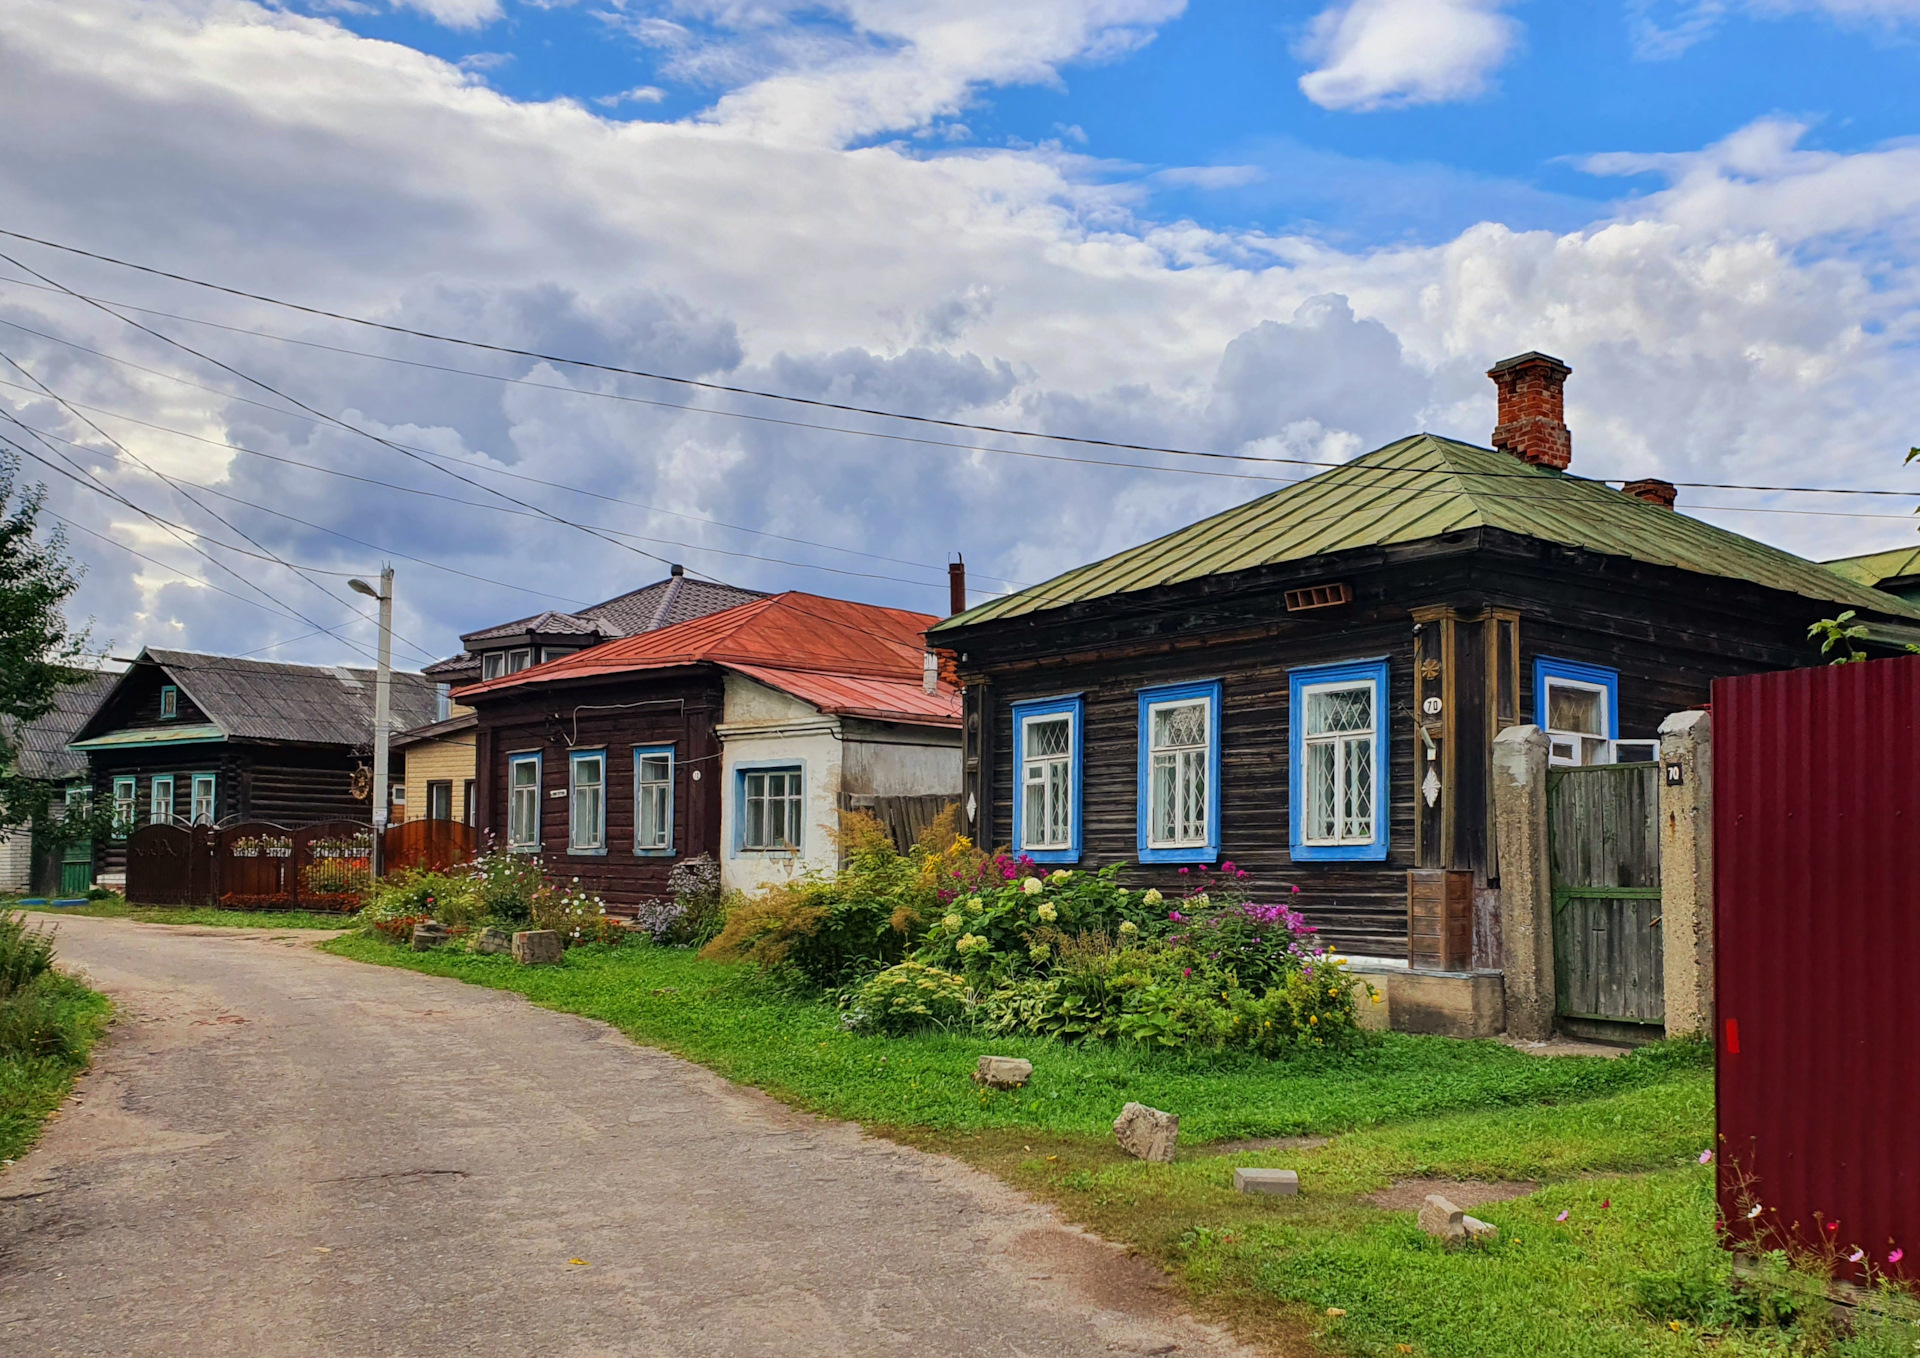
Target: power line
[728, 389]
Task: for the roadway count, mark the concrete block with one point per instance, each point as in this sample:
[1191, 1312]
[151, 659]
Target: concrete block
[1277, 1183]
[1146, 1133]
[1441, 1219]
[536, 946]
[428, 935]
[1526, 887]
[1447, 1004]
[493, 941]
[1003, 1072]
[1686, 871]
[1477, 1229]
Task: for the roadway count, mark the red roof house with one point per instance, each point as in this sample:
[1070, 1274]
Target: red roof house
[741, 734]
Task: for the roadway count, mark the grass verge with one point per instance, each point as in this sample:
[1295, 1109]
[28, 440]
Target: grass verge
[116, 908]
[1612, 1143]
[33, 1086]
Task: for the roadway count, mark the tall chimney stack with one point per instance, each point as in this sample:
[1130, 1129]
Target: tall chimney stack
[957, 586]
[1533, 410]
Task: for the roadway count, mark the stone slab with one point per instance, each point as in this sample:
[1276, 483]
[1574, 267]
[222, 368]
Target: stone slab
[1276, 1183]
[1003, 1072]
[536, 946]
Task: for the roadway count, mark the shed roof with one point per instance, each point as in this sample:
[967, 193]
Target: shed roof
[270, 700]
[1423, 487]
[1874, 567]
[833, 653]
[42, 742]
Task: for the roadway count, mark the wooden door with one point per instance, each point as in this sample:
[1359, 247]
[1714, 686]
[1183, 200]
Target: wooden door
[1603, 834]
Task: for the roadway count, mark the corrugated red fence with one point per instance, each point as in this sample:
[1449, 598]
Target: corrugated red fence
[1817, 941]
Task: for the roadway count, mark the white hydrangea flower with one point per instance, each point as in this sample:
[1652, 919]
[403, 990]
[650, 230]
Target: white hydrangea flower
[1033, 886]
[1153, 896]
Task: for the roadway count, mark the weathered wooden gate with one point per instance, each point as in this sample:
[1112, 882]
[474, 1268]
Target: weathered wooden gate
[1603, 836]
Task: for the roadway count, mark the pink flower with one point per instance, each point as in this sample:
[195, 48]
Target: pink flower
[1896, 1256]
[1856, 1256]
[1833, 1225]
[1296, 891]
[1175, 916]
[1605, 1203]
[1183, 872]
[1561, 1217]
[1706, 1157]
[1186, 971]
[1224, 867]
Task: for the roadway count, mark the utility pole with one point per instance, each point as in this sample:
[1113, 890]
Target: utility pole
[382, 686]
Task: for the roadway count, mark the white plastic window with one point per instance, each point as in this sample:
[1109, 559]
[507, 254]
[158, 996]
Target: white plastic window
[1337, 750]
[653, 802]
[773, 809]
[1047, 774]
[160, 800]
[587, 818]
[125, 804]
[203, 801]
[523, 803]
[1577, 723]
[1179, 735]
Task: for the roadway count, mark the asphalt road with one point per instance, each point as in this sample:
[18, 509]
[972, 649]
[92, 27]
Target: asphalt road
[281, 1152]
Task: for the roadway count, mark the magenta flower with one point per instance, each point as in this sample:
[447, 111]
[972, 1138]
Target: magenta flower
[1561, 1217]
[1186, 971]
[1224, 867]
[1833, 1225]
[1183, 872]
[1605, 1203]
[1896, 1256]
[1296, 891]
[1175, 916]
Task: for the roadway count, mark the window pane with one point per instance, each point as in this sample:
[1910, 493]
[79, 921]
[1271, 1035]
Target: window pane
[1318, 817]
[1575, 709]
[1357, 794]
[1051, 736]
[525, 771]
[1163, 798]
[1193, 797]
[1033, 830]
[1059, 803]
[1182, 725]
[1340, 709]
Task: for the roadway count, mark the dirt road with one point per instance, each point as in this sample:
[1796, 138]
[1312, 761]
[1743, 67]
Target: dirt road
[281, 1152]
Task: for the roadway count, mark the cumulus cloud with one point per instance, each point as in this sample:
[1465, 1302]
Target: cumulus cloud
[1758, 304]
[1375, 54]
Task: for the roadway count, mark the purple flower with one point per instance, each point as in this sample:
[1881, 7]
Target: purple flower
[1706, 1157]
[1226, 867]
[1561, 1217]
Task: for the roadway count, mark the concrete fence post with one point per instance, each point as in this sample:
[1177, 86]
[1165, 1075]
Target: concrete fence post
[1526, 884]
[1686, 871]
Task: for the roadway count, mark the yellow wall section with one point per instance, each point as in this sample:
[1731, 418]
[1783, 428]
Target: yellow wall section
[451, 760]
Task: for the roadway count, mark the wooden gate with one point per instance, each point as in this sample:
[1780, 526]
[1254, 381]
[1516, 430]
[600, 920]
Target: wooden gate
[434, 844]
[160, 865]
[1603, 836]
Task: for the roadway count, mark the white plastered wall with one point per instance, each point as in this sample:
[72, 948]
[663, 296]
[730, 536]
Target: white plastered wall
[762, 726]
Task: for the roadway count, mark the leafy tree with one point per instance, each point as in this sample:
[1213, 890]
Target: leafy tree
[1839, 641]
[38, 657]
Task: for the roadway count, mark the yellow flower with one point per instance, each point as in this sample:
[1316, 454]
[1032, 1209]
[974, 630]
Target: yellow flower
[951, 921]
[1033, 886]
[973, 902]
[1153, 896]
[1047, 912]
[1313, 1018]
[1059, 875]
[1129, 927]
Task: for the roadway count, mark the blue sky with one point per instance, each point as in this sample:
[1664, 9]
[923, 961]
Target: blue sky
[1291, 231]
[1218, 87]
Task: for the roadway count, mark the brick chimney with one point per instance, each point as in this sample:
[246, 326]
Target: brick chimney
[957, 585]
[1654, 491]
[1533, 410]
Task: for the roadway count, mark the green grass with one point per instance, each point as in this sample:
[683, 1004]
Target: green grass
[1614, 1143]
[115, 908]
[31, 1087]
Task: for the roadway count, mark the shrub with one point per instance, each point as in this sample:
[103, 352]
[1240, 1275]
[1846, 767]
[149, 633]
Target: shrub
[909, 996]
[702, 903]
[396, 928]
[1006, 927]
[337, 877]
[26, 954]
[507, 884]
[577, 916]
[450, 897]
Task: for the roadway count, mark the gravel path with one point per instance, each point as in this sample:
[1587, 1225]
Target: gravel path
[282, 1152]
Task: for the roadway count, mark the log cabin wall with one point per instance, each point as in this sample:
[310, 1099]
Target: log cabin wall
[616, 716]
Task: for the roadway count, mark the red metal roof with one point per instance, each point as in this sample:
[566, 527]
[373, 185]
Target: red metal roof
[844, 657]
[845, 695]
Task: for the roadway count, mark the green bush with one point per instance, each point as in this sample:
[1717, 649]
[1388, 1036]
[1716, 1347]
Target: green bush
[908, 996]
[702, 903]
[26, 954]
[35, 1020]
[450, 897]
[508, 885]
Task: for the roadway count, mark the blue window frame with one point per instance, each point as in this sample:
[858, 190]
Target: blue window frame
[1179, 777]
[523, 803]
[1048, 734]
[770, 799]
[653, 801]
[587, 802]
[1578, 706]
[1338, 765]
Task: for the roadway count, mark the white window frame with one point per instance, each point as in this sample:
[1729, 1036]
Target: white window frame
[793, 799]
[155, 815]
[1343, 743]
[523, 804]
[1576, 739]
[211, 784]
[440, 784]
[653, 799]
[519, 658]
[587, 802]
[1186, 762]
[1056, 794]
[493, 664]
[126, 805]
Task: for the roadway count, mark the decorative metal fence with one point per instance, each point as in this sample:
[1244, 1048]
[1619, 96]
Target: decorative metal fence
[256, 865]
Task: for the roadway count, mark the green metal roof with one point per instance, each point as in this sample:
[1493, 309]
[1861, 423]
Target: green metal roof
[1874, 567]
[1423, 487]
[145, 736]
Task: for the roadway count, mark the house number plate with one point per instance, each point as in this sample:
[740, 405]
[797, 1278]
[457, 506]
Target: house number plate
[1431, 707]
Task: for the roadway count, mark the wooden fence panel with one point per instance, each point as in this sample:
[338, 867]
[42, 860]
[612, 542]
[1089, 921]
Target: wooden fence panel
[903, 817]
[253, 866]
[159, 860]
[1603, 836]
[435, 844]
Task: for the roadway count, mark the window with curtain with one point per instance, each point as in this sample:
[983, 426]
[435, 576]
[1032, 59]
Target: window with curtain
[771, 809]
[1339, 771]
[653, 801]
[125, 805]
[205, 811]
[1047, 776]
[1179, 736]
[523, 803]
[160, 800]
[587, 807]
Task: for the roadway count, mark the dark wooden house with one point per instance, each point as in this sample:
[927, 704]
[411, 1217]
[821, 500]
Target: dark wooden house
[1308, 685]
[27, 864]
[740, 735]
[205, 739]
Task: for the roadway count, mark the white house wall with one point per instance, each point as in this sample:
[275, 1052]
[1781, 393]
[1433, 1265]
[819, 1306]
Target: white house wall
[763, 726]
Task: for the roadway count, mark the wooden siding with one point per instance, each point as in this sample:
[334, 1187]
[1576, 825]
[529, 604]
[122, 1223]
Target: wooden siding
[439, 761]
[680, 711]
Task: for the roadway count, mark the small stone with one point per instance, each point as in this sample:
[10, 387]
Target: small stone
[534, 946]
[1277, 1183]
[1477, 1229]
[1441, 1219]
[428, 934]
[1003, 1072]
[1146, 1133]
[493, 940]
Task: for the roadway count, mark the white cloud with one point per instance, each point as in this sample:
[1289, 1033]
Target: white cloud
[1663, 29]
[1758, 305]
[1376, 54]
[639, 94]
[455, 13]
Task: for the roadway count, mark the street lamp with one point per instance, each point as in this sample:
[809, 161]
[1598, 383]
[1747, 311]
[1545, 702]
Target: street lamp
[382, 683]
